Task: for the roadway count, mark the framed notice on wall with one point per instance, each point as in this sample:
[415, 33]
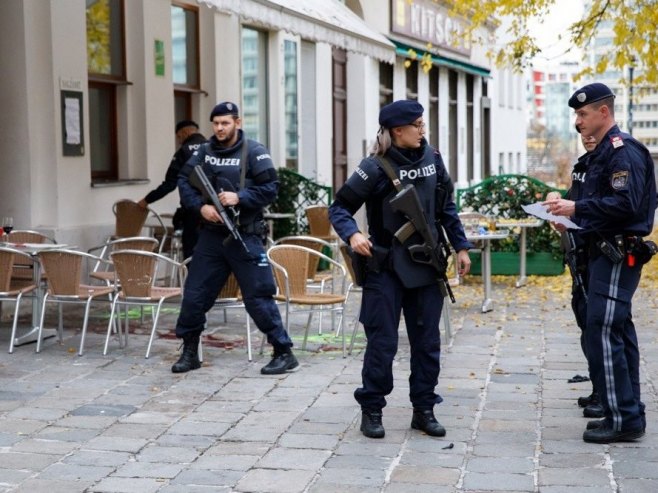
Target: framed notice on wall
[72, 130]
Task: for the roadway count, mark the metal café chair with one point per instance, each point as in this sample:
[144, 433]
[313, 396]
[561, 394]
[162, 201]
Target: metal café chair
[136, 274]
[290, 263]
[64, 274]
[12, 289]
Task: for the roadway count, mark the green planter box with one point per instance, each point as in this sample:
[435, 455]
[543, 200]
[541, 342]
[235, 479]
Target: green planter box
[507, 264]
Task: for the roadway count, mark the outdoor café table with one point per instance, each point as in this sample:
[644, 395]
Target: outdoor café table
[270, 217]
[530, 223]
[485, 238]
[33, 249]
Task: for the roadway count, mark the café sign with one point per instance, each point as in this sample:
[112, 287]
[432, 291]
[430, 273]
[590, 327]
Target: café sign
[429, 22]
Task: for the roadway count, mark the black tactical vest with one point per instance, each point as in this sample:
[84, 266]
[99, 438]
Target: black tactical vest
[422, 174]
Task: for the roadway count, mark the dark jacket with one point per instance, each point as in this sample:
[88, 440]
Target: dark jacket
[179, 159]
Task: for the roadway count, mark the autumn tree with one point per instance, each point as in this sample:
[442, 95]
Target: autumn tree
[634, 25]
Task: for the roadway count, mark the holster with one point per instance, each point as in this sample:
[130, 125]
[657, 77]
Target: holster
[361, 265]
[642, 250]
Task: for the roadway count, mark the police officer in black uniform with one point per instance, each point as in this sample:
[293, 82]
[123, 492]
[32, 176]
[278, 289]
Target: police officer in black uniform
[394, 282]
[615, 208]
[575, 247]
[189, 138]
[231, 162]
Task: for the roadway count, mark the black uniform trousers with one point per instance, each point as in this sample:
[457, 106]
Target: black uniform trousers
[384, 297]
[611, 341]
[212, 263]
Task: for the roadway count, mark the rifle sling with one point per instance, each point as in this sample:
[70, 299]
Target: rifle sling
[407, 228]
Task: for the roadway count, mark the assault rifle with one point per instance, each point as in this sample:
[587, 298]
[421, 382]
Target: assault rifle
[573, 264]
[431, 252]
[199, 180]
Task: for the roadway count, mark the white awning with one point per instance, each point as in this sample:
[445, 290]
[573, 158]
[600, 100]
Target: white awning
[327, 21]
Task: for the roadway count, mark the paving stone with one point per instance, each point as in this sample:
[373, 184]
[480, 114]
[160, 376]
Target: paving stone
[88, 457]
[117, 444]
[52, 486]
[174, 455]
[102, 410]
[128, 485]
[323, 442]
[222, 462]
[495, 481]
[283, 458]
[149, 470]
[208, 477]
[574, 477]
[75, 472]
[515, 465]
[177, 488]
[425, 475]
[353, 477]
[275, 481]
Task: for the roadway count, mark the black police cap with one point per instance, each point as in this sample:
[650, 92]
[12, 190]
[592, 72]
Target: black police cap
[591, 93]
[185, 123]
[225, 108]
[400, 113]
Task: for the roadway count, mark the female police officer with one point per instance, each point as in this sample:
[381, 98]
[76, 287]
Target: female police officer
[394, 282]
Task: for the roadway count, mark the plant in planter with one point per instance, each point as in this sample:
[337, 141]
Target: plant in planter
[502, 196]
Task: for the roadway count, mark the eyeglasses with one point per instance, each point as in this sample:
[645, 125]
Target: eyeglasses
[419, 126]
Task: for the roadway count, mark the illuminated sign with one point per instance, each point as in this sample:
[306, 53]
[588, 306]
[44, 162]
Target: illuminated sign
[429, 22]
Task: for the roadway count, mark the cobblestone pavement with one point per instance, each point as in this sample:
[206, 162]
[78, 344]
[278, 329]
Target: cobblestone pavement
[123, 423]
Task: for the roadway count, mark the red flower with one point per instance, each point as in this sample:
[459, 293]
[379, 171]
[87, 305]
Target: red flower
[510, 192]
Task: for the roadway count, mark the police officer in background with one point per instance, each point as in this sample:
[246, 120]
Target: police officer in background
[394, 282]
[231, 162]
[574, 246]
[189, 139]
[615, 207]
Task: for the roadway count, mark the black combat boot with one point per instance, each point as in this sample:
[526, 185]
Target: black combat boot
[585, 401]
[605, 434]
[371, 424]
[189, 360]
[424, 420]
[283, 361]
[594, 409]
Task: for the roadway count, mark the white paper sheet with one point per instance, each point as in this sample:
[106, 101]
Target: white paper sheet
[72, 120]
[540, 211]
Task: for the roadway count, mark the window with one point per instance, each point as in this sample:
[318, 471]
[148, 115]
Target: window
[434, 107]
[291, 93]
[185, 58]
[412, 80]
[453, 79]
[385, 83]
[254, 85]
[106, 72]
[470, 167]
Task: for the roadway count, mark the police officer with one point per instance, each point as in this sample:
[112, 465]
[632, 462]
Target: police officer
[231, 162]
[189, 140]
[575, 248]
[615, 207]
[394, 282]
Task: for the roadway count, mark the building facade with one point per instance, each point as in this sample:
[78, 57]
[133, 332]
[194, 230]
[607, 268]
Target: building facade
[91, 91]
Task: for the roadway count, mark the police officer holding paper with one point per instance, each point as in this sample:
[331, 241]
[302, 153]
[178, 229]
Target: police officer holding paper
[245, 181]
[615, 208]
[403, 170]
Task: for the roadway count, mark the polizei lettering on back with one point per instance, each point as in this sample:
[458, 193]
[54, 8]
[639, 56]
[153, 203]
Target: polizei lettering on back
[412, 174]
[215, 161]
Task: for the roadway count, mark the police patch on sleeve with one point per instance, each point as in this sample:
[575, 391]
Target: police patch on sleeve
[619, 180]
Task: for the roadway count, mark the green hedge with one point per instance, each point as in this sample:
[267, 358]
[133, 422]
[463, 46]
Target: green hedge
[502, 196]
